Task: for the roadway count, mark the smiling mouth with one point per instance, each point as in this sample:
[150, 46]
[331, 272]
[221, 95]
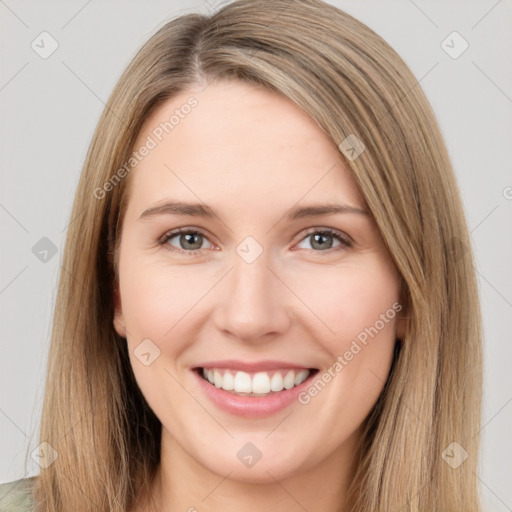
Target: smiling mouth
[255, 384]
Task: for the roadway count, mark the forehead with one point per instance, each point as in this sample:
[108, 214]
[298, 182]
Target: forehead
[238, 143]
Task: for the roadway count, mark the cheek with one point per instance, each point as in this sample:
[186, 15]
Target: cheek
[357, 305]
[360, 304]
[156, 299]
[351, 300]
[158, 303]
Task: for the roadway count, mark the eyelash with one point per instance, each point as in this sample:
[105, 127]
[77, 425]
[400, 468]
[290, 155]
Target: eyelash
[345, 242]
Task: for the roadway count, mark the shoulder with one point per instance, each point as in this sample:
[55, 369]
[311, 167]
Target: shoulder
[16, 496]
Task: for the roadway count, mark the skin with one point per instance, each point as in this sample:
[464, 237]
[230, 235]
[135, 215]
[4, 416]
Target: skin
[251, 155]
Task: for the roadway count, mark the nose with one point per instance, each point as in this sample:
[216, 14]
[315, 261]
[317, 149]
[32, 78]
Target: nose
[254, 304]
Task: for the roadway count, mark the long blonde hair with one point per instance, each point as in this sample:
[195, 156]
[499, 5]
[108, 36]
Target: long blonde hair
[352, 83]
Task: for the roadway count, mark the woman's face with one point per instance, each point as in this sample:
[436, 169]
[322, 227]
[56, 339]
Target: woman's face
[264, 285]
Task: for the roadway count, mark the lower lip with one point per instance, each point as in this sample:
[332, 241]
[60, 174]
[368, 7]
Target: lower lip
[252, 407]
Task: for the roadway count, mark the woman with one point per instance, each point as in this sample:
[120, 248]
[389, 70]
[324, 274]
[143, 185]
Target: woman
[266, 303]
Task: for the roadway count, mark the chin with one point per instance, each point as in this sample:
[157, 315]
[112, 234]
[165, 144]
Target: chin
[257, 461]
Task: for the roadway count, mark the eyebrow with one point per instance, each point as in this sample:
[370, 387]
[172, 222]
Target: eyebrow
[202, 210]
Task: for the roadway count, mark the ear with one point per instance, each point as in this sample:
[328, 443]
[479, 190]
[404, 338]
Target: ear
[119, 324]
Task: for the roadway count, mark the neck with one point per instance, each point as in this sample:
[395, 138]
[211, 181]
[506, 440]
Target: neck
[181, 483]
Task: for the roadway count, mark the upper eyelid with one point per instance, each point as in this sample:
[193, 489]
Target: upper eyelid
[336, 233]
[179, 231]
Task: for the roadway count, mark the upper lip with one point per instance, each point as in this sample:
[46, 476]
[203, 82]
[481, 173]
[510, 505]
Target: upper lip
[252, 366]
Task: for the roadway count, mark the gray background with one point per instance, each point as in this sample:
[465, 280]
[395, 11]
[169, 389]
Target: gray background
[50, 108]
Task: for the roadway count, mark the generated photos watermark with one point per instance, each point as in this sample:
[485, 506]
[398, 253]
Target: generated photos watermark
[157, 135]
[344, 359]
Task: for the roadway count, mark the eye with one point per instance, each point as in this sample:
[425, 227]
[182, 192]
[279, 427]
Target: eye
[191, 241]
[324, 239]
[184, 240]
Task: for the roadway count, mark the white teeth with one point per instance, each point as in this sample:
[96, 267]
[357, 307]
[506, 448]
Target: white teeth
[243, 382]
[259, 383]
[301, 377]
[209, 376]
[228, 381]
[289, 380]
[276, 384]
